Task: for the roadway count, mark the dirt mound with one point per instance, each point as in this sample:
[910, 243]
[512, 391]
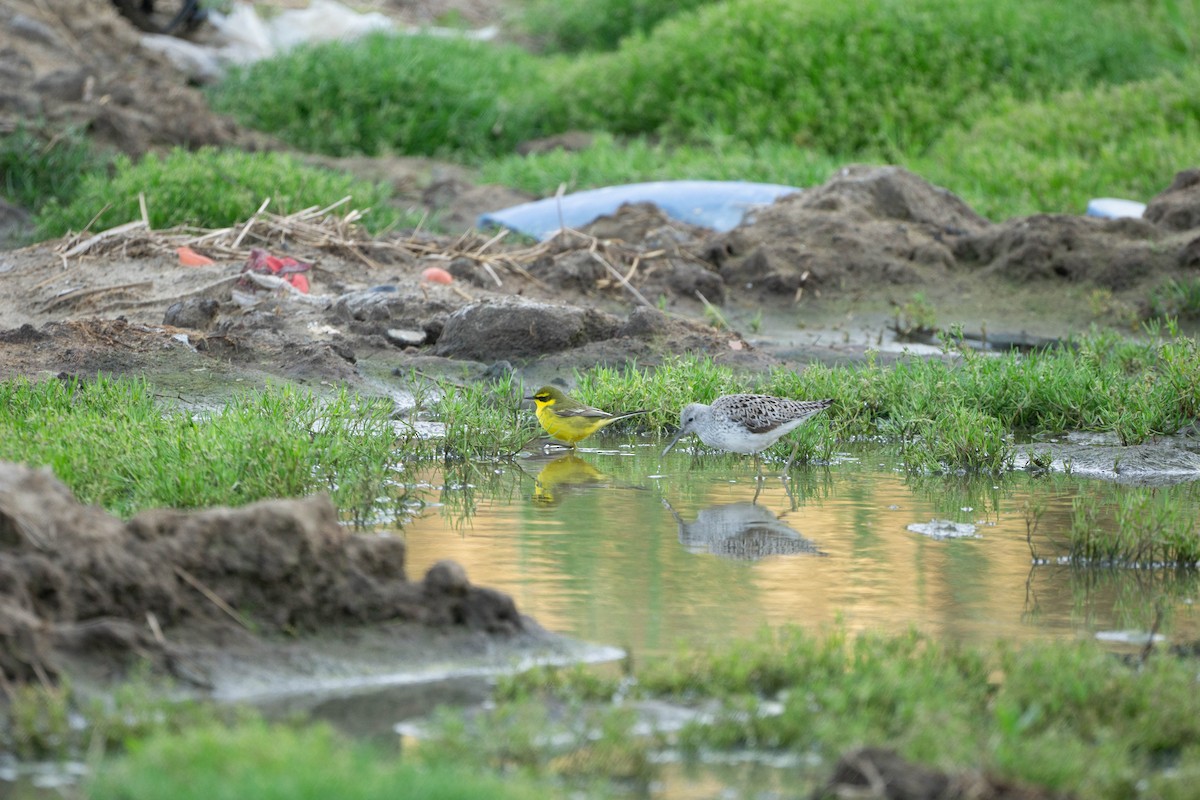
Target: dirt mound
[867, 226]
[1109, 253]
[74, 578]
[1177, 208]
[78, 63]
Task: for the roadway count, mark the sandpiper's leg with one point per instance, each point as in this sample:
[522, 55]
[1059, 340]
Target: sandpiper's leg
[757, 491]
[788, 467]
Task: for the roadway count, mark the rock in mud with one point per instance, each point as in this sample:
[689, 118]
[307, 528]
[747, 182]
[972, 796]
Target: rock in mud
[197, 313]
[76, 579]
[521, 329]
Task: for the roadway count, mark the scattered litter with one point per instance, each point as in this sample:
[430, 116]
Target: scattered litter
[406, 338]
[1115, 208]
[945, 529]
[1129, 637]
[321, 329]
[720, 205]
[287, 268]
[436, 275]
[190, 258]
[245, 37]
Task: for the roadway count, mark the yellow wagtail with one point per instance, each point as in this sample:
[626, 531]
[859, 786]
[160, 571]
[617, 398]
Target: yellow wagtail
[570, 420]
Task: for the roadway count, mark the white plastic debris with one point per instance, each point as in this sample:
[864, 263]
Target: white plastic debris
[944, 529]
[1115, 208]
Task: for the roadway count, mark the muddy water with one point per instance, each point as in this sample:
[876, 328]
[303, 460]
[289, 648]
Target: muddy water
[612, 547]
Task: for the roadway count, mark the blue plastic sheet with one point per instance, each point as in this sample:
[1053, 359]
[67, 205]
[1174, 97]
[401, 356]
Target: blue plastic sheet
[719, 205]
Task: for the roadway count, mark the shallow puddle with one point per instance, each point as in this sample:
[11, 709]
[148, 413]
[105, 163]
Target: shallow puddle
[610, 546]
[615, 548]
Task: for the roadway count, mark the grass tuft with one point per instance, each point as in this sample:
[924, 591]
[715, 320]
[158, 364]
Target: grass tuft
[409, 95]
[115, 445]
[1054, 154]
[36, 168]
[209, 188]
[885, 76]
[275, 762]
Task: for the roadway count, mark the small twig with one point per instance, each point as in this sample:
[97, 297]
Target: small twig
[558, 196]
[713, 310]
[250, 222]
[145, 211]
[90, 242]
[273, 282]
[616, 274]
[80, 294]
[152, 621]
[211, 596]
[633, 269]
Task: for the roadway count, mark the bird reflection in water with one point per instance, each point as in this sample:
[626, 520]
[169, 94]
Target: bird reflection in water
[743, 530]
[562, 475]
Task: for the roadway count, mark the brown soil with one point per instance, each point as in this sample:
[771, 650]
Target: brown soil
[76, 582]
[632, 286]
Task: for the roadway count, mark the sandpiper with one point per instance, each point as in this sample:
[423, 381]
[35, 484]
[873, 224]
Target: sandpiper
[746, 423]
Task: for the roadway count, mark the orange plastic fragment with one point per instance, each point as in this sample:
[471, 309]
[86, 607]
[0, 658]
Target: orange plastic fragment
[436, 275]
[190, 258]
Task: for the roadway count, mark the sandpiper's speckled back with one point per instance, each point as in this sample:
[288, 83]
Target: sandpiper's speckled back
[762, 413]
[747, 423]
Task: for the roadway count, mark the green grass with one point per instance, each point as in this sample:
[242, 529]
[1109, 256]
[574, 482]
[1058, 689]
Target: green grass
[115, 445]
[575, 25]
[42, 723]
[1135, 389]
[1138, 527]
[407, 95]
[113, 442]
[886, 76]
[274, 762]
[609, 162]
[1067, 716]
[1056, 154]
[36, 167]
[1179, 299]
[208, 188]
[483, 419]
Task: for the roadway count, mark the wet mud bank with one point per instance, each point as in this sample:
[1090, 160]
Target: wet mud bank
[202, 595]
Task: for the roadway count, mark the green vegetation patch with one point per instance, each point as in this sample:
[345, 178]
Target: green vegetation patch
[1067, 716]
[415, 95]
[36, 168]
[574, 25]
[114, 444]
[1101, 383]
[609, 162]
[208, 188]
[1178, 299]
[274, 762]
[1056, 154]
[879, 76]
[1137, 527]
